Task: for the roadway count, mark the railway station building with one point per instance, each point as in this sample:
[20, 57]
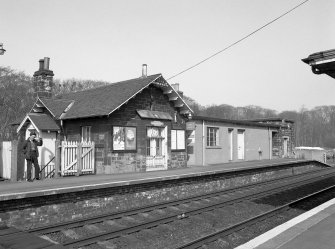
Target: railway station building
[140, 125]
[133, 126]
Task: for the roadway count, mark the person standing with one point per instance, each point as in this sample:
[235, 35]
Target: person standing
[30, 152]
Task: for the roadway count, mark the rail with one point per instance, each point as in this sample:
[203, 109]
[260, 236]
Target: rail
[199, 243]
[91, 239]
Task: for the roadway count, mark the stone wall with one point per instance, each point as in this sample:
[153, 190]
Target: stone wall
[50, 209]
[278, 142]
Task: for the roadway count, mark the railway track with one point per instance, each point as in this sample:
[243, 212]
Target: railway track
[218, 237]
[122, 229]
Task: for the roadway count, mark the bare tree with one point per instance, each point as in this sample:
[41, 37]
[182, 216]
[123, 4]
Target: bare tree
[16, 98]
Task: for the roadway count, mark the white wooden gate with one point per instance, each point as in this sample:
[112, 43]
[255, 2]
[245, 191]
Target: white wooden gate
[5, 159]
[71, 151]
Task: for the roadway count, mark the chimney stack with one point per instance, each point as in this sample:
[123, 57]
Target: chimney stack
[43, 79]
[144, 70]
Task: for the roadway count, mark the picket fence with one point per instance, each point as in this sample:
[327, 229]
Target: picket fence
[77, 158]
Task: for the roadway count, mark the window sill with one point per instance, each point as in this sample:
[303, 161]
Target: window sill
[183, 150]
[213, 147]
[124, 151]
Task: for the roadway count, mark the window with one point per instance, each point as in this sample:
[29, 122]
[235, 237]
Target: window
[212, 136]
[86, 133]
[124, 138]
[177, 140]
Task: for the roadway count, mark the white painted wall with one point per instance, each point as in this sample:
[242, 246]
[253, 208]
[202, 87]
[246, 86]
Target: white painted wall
[46, 151]
[5, 159]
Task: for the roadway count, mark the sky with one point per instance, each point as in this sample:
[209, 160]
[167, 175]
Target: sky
[109, 40]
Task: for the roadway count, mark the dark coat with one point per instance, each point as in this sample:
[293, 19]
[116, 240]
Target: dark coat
[26, 148]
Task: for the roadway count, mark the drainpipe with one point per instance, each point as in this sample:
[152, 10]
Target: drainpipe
[270, 144]
[62, 128]
[203, 142]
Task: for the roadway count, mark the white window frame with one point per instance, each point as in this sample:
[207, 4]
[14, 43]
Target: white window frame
[86, 133]
[178, 140]
[213, 136]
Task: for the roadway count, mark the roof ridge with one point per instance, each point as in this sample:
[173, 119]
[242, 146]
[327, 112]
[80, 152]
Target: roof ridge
[53, 99]
[107, 85]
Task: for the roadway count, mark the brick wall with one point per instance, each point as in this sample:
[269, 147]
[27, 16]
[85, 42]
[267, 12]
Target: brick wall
[109, 161]
[42, 85]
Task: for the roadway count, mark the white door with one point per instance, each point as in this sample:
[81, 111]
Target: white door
[285, 147]
[240, 144]
[231, 148]
[156, 148]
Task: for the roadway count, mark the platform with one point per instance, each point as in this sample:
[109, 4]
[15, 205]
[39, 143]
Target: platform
[314, 229]
[18, 190]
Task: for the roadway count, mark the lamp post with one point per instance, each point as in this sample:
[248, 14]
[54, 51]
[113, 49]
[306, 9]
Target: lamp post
[2, 50]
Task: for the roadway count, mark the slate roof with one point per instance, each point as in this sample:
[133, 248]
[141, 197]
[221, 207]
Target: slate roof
[43, 121]
[100, 101]
[235, 122]
[56, 106]
[274, 119]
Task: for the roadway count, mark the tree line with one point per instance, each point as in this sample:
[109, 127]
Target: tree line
[314, 127]
[17, 96]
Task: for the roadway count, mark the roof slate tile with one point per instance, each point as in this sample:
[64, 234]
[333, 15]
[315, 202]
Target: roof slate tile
[100, 101]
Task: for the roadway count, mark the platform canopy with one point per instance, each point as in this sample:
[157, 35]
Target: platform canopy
[322, 62]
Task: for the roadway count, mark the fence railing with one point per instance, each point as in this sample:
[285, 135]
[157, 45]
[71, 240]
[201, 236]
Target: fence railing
[48, 170]
[70, 158]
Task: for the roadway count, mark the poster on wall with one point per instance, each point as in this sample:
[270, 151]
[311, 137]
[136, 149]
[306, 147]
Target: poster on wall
[118, 138]
[130, 138]
[124, 138]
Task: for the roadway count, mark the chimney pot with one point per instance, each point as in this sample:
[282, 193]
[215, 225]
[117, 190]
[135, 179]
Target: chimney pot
[46, 63]
[41, 61]
[144, 70]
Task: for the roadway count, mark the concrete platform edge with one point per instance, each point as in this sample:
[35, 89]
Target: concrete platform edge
[146, 178]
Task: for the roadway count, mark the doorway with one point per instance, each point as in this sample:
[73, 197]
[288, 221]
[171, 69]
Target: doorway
[156, 158]
[231, 145]
[285, 147]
